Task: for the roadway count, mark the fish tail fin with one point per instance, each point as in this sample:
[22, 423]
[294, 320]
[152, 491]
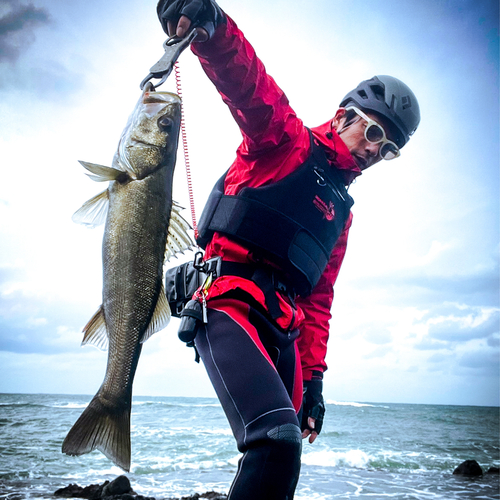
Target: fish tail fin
[103, 428]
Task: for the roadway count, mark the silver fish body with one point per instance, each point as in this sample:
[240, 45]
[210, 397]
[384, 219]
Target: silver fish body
[143, 227]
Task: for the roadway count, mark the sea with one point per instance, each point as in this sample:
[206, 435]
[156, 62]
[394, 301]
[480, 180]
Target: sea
[182, 446]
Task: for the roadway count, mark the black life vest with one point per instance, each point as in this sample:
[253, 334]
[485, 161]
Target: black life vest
[294, 222]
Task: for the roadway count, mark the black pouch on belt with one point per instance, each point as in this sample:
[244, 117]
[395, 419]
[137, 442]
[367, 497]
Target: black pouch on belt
[191, 318]
[182, 281]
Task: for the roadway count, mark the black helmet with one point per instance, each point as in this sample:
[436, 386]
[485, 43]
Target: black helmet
[390, 98]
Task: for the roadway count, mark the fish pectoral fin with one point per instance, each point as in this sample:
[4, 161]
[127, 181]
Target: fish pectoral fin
[178, 239]
[161, 316]
[100, 173]
[95, 331]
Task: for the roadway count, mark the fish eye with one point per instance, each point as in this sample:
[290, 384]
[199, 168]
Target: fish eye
[165, 123]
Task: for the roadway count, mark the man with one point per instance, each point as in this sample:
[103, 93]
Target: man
[279, 220]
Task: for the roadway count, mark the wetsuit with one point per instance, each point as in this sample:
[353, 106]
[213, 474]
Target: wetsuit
[257, 364]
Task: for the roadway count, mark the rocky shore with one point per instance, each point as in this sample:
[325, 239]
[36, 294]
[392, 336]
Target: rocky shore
[120, 489]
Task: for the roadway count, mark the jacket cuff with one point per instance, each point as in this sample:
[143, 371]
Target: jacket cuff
[308, 375]
[204, 49]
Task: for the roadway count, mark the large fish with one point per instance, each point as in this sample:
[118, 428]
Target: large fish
[143, 229]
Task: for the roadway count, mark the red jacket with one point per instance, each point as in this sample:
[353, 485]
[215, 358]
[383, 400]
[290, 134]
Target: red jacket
[275, 143]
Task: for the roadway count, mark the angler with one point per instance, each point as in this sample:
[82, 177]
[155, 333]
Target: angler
[276, 225]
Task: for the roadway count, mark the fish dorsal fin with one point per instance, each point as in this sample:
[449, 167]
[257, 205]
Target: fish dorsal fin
[100, 173]
[178, 238]
[93, 212]
[160, 318]
[95, 332]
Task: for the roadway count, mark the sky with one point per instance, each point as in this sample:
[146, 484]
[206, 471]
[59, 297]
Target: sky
[416, 314]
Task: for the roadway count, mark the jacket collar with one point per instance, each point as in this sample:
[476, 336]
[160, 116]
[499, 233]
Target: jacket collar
[336, 151]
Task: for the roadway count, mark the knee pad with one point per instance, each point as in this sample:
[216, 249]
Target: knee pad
[286, 433]
[285, 443]
[269, 470]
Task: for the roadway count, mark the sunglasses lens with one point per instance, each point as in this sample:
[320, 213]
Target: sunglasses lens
[374, 133]
[389, 151]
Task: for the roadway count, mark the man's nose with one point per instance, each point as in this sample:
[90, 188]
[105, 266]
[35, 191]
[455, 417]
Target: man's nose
[372, 149]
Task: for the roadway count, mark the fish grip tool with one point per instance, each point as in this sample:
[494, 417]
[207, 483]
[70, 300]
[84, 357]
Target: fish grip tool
[173, 47]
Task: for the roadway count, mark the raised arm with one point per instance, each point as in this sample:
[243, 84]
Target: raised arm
[258, 105]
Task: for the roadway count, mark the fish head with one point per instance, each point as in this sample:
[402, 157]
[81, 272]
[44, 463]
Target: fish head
[151, 135]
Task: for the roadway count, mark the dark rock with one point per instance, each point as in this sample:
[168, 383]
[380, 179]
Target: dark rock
[493, 470]
[118, 486]
[92, 492]
[211, 495]
[469, 468]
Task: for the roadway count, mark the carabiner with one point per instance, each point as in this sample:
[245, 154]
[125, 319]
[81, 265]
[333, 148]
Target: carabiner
[173, 47]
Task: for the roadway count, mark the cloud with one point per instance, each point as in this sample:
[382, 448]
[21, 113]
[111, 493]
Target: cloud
[33, 323]
[38, 335]
[378, 352]
[463, 329]
[493, 341]
[378, 336]
[427, 344]
[49, 68]
[17, 27]
[439, 358]
[416, 286]
[454, 326]
[481, 362]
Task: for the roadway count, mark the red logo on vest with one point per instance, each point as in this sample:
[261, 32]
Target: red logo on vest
[328, 211]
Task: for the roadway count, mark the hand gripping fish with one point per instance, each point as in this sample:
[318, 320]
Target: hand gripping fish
[143, 229]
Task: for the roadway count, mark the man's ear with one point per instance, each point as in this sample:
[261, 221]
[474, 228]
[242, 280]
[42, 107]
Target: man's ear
[338, 118]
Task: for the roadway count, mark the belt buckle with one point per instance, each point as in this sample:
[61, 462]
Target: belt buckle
[278, 284]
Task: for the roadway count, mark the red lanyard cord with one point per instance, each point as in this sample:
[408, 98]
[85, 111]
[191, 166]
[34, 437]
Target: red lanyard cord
[185, 149]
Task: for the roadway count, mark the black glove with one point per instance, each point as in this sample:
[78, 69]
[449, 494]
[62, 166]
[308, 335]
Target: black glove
[313, 405]
[205, 14]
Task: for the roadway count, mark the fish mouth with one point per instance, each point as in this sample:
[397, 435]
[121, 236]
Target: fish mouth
[133, 141]
[153, 97]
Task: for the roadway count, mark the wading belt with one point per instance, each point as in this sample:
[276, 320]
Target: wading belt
[267, 279]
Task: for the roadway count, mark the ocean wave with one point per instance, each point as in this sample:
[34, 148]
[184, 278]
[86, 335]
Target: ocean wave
[23, 404]
[327, 458]
[380, 459]
[171, 404]
[186, 462]
[105, 471]
[354, 404]
[70, 405]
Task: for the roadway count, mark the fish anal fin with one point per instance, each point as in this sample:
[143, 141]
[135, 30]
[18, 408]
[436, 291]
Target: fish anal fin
[94, 211]
[161, 316]
[95, 331]
[103, 428]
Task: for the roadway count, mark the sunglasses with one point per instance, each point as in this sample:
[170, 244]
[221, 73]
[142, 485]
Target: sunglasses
[375, 134]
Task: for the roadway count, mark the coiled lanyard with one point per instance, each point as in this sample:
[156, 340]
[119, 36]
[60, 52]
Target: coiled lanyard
[162, 69]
